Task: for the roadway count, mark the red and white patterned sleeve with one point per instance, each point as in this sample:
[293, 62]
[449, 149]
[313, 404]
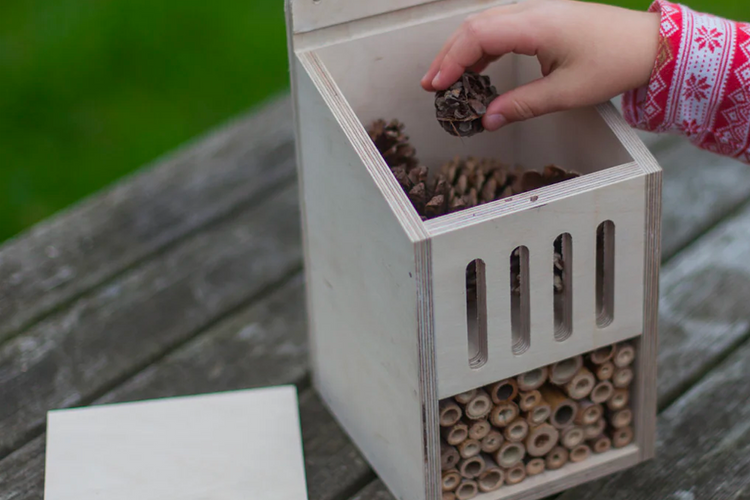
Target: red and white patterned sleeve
[700, 85]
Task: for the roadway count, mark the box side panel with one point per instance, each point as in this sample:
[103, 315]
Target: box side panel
[309, 15]
[494, 240]
[363, 299]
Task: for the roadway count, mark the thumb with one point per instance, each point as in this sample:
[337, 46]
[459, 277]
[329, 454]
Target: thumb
[540, 97]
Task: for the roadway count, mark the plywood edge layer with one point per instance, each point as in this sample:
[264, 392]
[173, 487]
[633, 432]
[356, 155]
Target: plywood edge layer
[322, 22]
[428, 374]
[360, 141]
[646, 399]
[629, 139]
[551, 482]
[533, 199]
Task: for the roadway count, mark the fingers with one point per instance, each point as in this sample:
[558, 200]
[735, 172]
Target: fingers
[435, 66]
[540, 97]
[481, 39]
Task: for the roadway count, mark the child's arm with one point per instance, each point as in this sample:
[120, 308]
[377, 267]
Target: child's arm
[699, 84]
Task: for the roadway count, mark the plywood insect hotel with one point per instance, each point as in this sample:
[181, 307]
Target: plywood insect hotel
[482, 323]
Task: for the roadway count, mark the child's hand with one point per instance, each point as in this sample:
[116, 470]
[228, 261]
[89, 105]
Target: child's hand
[589, 53]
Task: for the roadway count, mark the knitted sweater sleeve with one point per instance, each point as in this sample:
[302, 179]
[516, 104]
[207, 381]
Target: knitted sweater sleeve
[700, 84]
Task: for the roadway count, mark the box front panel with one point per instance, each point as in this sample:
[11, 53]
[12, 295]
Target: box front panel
[536, 229]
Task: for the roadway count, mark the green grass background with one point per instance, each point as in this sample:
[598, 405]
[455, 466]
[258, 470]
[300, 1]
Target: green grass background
[91, 90]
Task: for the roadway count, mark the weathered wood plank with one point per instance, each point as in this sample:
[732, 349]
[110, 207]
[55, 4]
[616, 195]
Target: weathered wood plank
[109, 335]
[22, 473]
[704, 306]
[703, 316]
[264, 344]
[700, 189]
[703, 449]
[69, 254]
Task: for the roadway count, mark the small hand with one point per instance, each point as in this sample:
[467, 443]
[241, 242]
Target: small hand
[589, 53]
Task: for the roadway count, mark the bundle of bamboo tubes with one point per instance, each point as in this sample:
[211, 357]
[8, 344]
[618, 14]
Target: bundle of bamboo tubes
[503, 433]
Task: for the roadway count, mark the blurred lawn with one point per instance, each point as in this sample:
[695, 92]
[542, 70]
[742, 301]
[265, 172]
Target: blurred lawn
[91, 90]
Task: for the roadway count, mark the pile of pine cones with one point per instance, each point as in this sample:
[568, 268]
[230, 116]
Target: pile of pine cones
[460, 183]
[541, 420]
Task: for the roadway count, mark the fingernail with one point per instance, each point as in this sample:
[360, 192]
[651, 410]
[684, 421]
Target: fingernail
[436, 79]
[494, 122]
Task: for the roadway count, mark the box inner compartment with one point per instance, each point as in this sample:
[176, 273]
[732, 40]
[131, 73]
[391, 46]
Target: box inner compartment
[379, 75]
[601, 378]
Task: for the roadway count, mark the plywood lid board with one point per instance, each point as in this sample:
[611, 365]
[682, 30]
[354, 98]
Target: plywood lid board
[229, 446]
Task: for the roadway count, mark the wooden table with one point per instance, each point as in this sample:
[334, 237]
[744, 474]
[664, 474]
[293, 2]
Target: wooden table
[186, 278]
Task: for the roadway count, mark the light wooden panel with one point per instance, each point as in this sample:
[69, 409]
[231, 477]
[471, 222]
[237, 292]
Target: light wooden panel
[233, 446]
[309, 15]
[364, 281]
[536, 225]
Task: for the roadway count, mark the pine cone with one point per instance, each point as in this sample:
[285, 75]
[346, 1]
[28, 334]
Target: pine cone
[393, 144]
[460, 109]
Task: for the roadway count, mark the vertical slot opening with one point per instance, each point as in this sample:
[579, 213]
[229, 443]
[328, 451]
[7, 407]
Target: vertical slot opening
[605, 274]
[476, 313]
[520, 309]
[563, 286]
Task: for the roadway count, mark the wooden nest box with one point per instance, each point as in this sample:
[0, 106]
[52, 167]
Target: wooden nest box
[395, 325]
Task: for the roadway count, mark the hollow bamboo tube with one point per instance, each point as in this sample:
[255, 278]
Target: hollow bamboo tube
[541, 440]
[572, 437]
[450, 412]
[622, 377]
[588, 412]
[451, 479]
[621, 437]
[469, 448]
[602, 391]
[581, 384]
[479, 406]
[533, 379]
[466, 490]
[504, 413]
[594, 430]
[600, 444]
[515, 474]
[624, 355]
[509, 454]
[471, 467]
[556, 458]
[492, 441]
[455, 434]
[465, 397]
[528, 400]
[492, 477]
[478, 429]
[562, 372]
[602, 355]
[539, 414]
[449, 456]
[621, 418]
[580, 453]
[619, 399]
[449, 495]
[535, 466]
[516, 431]
[605, 371]
[503, 391]
[563, 409]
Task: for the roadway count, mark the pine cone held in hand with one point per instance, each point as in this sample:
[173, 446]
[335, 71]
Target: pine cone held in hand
[460, 109]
